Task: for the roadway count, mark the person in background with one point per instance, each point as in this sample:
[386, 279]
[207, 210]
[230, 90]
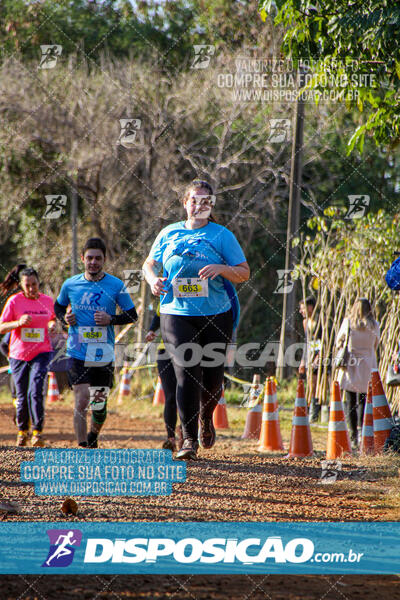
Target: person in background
[60, 362]
[168, 381]
[363, 338]
[312, 351]
[11, 284]
[29, 315]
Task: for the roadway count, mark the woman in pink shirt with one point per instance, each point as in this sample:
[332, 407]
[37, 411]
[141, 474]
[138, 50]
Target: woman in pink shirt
[29, 315]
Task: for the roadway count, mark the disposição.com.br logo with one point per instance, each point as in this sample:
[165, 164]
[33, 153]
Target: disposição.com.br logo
[62, 547]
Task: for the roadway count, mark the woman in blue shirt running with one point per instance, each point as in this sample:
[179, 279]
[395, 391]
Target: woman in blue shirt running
[198, 308]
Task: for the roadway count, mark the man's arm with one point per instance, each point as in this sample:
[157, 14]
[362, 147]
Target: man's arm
[127, 316]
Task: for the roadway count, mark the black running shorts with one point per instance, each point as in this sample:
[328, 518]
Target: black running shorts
[95, 376]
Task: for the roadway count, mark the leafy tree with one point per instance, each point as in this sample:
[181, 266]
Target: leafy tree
[356, 45]
[91, 28]
[345, 259]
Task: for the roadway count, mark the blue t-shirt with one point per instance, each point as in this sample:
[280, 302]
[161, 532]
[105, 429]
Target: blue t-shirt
[86, 340]
[182, 253]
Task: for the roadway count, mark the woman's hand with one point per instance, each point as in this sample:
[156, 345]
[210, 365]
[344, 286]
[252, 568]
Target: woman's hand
[211, 271]
[237, 274]
[157, 286]
[24, 320]
[150, 336]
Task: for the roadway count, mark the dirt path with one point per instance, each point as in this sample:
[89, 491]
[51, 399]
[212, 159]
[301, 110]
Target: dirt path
[212, 587]
[231, 482]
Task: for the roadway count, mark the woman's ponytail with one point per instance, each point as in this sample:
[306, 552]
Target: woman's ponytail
[11, 280]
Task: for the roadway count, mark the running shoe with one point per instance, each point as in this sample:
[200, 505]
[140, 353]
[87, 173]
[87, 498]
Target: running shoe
[22, 438]
[188, 450]
[37, 440]
[206, 432]
[92, 440]
[169, 444]
[179, 440]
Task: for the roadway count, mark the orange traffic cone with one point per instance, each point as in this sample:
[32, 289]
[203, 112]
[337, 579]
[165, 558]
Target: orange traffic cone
[252, 428]
[52, 390]
[220, 416]
[270, 438]
[383, 421]
[125, 384]
[300, 438]
[367, 437]
[159, 396]
[338, 436]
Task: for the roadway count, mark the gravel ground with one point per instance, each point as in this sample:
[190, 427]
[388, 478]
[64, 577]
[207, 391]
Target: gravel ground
[230, 483]
[212, 587]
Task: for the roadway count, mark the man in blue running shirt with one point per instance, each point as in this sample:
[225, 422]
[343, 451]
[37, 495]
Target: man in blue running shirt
[93, 297]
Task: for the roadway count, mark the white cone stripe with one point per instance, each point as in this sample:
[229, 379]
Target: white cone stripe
[336, 405]
[383, 424]
[269, 400]
[300, 402]
[379, 401]
[368, 409]
[368, 431]
[300, 421]
[222, 402]
[337, 426]
[272, 416]
[256, 409]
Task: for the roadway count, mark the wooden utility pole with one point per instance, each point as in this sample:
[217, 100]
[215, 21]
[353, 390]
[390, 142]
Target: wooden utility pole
[74, 228]
[143, 317]
[289, 308]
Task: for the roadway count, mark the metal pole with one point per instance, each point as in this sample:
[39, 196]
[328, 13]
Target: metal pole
[288, 332]
[74, 228]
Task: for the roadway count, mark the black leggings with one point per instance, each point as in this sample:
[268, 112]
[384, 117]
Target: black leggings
[168, 382]
[199, 387]
[354, 412]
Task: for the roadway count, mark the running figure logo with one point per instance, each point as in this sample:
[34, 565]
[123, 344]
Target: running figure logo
[50, 54]
[98, 397]
[357, 206]
[55, 206]
[132, 280]
[129, 129]
[329, 471]
[202, 56]
[280, 131]
[62, 546]
[285, 283]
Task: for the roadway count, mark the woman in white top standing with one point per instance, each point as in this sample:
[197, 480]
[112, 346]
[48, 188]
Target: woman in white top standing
[363, 338]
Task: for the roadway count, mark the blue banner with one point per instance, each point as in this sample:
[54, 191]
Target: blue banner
[59, 472]
[197, 548]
